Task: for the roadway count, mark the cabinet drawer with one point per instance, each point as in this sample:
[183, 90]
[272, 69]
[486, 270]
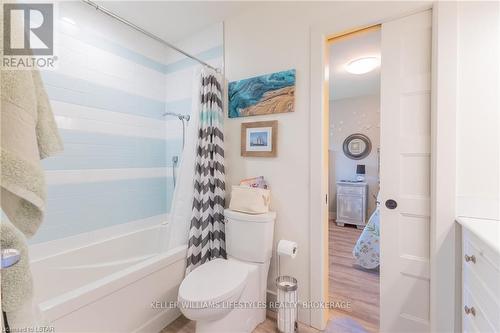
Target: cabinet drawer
[468, 325]
[477, 322]
[351, 190]
[486, 266]
[481, 298]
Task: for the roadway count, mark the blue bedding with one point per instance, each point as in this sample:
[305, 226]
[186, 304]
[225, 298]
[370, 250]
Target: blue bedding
[366, 252]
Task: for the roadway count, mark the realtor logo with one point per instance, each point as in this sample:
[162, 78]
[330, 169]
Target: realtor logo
[28, 29]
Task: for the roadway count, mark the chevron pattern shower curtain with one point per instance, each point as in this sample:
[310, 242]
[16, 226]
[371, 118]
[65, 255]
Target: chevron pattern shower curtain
[206, 235]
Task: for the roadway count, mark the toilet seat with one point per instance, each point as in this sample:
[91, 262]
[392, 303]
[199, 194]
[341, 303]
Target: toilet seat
[216, 281]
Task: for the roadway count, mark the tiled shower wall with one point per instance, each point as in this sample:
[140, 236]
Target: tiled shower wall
[108, 94]
[181, 72]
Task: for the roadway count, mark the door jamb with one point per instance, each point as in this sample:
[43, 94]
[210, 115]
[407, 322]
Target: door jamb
[445, 298]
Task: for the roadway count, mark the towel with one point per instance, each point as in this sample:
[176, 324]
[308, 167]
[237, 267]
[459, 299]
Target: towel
[28, 134]
[17, 284]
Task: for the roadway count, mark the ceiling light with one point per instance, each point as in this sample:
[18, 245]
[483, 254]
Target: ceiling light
[68, 20]
[363, 65]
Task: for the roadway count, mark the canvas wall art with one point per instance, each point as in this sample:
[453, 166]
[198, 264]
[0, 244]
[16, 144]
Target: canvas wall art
[265, 94]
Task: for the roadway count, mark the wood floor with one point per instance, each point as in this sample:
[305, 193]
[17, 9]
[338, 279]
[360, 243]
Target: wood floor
[184, 325]
[349, 283]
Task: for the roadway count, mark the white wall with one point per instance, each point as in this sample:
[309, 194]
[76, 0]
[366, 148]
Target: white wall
[465, 116]
[478, 114]
[269, 38]
[273, 37]
[348, 116]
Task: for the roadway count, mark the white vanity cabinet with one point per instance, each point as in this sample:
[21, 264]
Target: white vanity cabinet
[352, 201]
[480, 310]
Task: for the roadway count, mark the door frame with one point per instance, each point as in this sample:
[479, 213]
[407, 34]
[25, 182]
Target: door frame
[443, 98]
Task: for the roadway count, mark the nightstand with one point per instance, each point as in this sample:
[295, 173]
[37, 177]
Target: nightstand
[352, 201]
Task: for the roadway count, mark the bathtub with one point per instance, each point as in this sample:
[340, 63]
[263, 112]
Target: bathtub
[121, 283]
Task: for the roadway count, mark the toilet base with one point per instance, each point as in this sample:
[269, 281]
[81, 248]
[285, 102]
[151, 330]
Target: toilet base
[236, 321]
[251, 311]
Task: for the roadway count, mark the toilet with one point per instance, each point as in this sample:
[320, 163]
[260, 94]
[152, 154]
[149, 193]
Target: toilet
[230, 295]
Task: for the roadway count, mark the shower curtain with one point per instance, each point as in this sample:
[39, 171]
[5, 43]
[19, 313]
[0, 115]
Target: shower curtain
[206, 239]
[182, 201]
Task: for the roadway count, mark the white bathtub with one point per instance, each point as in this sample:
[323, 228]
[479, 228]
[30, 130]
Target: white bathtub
[110, 284]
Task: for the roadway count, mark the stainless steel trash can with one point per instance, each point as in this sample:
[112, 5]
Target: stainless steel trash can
[287, 300]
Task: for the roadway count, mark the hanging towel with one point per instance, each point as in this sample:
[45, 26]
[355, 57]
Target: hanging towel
[206, 240]
[29, 133]
[17, 285]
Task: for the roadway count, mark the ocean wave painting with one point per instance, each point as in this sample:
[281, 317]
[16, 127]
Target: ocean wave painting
[265, 94]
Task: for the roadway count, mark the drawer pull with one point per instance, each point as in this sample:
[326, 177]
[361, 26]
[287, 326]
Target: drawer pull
[470, 258]
[470, 310]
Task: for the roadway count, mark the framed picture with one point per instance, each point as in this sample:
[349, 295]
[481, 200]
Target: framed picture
[258, 139]
[265, 94]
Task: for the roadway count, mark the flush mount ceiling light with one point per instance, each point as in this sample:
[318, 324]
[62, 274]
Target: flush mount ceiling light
[363, 65]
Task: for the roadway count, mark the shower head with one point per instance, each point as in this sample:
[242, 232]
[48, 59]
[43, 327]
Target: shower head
[178, 115]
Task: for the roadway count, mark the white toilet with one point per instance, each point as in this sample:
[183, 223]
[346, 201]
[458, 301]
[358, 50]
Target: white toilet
[229, 296]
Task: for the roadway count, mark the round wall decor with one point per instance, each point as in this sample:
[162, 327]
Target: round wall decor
[357, 146]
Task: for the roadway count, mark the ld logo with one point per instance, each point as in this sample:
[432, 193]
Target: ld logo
[28, 29]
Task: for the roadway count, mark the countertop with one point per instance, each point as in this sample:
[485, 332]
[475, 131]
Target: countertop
[486, 230]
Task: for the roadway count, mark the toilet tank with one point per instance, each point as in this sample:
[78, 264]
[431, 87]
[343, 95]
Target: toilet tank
[249, 237]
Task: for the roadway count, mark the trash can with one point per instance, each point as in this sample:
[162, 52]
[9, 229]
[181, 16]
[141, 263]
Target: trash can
[287, 300]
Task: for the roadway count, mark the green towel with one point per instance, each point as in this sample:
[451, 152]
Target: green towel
[28, 134]
[17, 284]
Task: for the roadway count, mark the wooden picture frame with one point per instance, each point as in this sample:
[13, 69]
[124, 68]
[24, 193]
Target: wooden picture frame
[259, 139]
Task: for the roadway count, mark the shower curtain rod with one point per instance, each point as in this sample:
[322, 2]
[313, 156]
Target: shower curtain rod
[145, 32]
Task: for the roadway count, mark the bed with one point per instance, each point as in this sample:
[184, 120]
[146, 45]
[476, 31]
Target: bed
[366, 252]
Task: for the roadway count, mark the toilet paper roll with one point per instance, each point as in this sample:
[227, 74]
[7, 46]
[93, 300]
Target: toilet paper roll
[287, 248]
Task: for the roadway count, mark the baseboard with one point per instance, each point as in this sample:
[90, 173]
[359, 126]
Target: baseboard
[160, 321]
[271, 297]
[332, 215]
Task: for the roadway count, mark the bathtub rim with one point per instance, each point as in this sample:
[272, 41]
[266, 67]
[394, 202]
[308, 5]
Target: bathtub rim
[52, 248]
[73, 300]
[93, 243]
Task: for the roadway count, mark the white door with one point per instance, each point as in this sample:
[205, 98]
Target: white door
[405, 174]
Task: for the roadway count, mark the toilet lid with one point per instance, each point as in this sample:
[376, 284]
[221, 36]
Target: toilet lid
[215, 281]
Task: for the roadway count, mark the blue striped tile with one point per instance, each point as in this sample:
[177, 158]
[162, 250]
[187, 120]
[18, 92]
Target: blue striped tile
[212, 53]
[81, 92]
[78, 208]
[89, 150]
[182, 106]
[139, 58]
[119, 50]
